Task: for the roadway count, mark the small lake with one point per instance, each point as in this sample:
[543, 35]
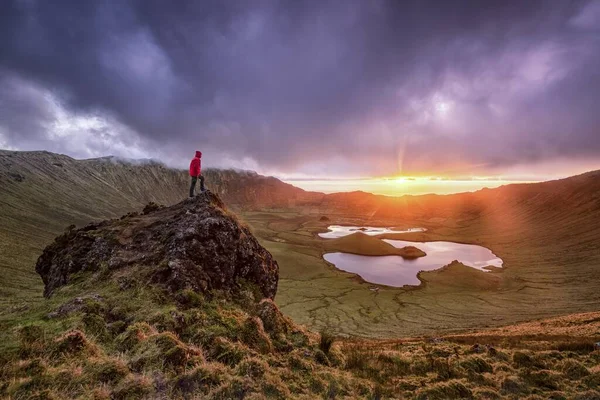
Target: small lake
[396, 271]
[338, 231]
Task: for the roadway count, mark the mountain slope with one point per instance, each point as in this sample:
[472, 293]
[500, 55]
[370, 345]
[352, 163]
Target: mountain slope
[546, 233]
[43, 192]
[176, 303]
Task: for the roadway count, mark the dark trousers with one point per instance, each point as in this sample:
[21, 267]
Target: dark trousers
[193, 185]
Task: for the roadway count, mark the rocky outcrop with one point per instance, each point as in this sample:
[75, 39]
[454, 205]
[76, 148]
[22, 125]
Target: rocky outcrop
[196, 244]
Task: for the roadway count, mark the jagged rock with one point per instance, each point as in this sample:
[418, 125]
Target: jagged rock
[196, 244]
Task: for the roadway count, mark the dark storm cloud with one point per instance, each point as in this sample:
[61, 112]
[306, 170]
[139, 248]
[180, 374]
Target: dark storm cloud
[321, 87]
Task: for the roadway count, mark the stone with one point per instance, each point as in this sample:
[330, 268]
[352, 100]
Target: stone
[196, 244]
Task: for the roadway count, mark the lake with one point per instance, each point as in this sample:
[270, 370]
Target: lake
[396, 271]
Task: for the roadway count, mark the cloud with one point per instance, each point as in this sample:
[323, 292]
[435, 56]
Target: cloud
[330, 88]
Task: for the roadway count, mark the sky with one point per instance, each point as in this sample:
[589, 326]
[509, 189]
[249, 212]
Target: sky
[309, 89]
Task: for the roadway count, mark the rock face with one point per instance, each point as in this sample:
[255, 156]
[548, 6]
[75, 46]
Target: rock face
[196, 244]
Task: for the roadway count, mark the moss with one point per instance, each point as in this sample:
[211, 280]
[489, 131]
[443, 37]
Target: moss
[92, 305]
[116, 328]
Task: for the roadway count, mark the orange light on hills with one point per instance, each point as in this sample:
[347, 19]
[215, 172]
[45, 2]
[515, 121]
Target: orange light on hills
[403, 185]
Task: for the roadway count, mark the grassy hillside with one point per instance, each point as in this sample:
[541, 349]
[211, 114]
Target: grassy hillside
[43, 193]
[111, 330]
[546, 233]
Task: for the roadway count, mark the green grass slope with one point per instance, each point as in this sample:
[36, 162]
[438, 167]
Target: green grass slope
[546, 233]
[42, 193]
[109, 332]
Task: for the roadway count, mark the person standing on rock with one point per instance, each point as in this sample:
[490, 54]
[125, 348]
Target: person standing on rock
[196, 173]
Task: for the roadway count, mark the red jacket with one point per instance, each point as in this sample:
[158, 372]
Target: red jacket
[196, 165]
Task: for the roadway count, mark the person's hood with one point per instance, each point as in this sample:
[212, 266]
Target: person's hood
[199, 154]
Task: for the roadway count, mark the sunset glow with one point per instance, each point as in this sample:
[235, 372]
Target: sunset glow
[399, 186]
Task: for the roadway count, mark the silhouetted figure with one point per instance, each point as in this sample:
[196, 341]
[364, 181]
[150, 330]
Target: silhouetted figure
[196, 173]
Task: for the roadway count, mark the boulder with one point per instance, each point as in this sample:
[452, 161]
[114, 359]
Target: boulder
[196, 244]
